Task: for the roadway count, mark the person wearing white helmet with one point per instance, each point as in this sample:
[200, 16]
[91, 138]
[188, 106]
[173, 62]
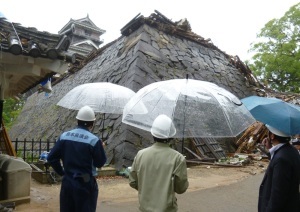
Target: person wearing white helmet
[158, 172]
[279, 190]
[80, 152]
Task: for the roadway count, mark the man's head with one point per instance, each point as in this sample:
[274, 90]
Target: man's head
[276, 135]
[86, 117]
[162, 128]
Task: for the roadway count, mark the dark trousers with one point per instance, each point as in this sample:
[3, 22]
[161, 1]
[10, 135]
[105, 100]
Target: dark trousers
[78, 196]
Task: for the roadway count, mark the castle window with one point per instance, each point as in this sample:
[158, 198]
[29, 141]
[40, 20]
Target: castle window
[87, 32]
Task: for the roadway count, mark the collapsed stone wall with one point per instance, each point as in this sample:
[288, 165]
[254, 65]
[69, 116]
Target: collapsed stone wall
[145, 56]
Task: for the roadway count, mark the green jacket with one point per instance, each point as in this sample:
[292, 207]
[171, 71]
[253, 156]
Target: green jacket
[158, 172]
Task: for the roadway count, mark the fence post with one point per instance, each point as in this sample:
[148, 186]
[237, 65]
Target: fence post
[48, 145]
[20, 151]
[32, 141]
[24, 150]
[16, 146]
[40, 149]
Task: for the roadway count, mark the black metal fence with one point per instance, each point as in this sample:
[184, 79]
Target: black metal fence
[30, 150]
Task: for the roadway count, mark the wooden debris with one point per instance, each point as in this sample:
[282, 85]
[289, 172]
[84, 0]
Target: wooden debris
[203, 158]
[252, 136]
[208, 148]
[212, 164]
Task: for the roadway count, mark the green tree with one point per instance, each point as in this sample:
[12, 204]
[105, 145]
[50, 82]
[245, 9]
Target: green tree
[11, 109]
[276, 61]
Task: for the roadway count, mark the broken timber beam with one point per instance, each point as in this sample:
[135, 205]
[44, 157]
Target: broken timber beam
[212, 164]
[198, 157]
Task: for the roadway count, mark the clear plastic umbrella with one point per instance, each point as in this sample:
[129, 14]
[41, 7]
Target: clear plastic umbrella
[197, 108]
[103, 97]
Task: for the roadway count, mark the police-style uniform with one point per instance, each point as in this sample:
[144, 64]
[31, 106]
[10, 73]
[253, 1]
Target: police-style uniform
[80, 152]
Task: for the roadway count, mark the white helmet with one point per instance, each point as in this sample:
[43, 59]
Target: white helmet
[163, 127]
[86, 113]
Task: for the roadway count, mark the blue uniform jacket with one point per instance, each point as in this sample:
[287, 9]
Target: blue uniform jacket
[80, 152]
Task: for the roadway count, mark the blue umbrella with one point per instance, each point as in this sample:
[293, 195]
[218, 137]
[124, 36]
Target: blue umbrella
[274, 112]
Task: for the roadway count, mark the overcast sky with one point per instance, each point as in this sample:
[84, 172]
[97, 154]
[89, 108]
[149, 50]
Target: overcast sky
[232, 25]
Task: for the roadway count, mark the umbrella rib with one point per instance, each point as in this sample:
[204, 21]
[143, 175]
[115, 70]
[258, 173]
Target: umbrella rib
[225, 114]
[141, 97]
[184, 111]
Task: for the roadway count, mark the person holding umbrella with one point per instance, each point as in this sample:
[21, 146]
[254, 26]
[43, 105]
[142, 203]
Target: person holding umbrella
[279, 190]
[158, 172]
[81, 152]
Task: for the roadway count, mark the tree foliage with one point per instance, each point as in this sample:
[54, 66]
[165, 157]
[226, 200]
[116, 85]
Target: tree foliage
[277, 53]
[11, 109]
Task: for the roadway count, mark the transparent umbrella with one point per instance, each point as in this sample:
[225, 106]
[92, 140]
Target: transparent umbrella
[103, 97]
[197, 109]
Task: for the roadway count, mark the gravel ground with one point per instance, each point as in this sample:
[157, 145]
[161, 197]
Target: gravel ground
[211, 188]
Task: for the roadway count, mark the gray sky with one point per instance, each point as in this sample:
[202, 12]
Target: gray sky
[232, 25]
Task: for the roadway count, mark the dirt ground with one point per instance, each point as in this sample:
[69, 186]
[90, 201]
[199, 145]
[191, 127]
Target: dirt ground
[45, 197]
